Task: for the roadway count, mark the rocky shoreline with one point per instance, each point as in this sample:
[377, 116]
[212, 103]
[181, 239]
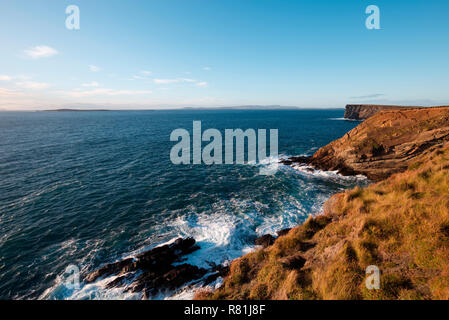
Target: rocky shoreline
[385, 144]
[399, 224]
[160, 269]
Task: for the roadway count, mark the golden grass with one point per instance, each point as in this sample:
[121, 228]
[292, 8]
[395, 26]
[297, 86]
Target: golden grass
[400, 225]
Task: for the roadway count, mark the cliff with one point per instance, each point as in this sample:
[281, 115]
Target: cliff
[385, 143]
[400, 224]
[364, 111]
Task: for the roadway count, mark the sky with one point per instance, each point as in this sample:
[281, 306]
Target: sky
[152, 54]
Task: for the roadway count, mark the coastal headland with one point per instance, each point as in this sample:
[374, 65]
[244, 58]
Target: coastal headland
[399, 224]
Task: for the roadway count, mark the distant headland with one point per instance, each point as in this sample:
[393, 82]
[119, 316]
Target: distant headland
[364, 111]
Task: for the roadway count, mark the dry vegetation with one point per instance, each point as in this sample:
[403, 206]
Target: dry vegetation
[400, 224]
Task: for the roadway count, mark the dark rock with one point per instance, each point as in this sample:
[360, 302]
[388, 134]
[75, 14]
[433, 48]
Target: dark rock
[155, 263]
[265, 240]
[109, 269]
[153, 282]
[292, 160]
[116, 282]
[220, 271]
[182, 274]
[283, 232]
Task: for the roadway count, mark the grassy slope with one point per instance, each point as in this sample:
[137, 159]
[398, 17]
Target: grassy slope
[400, 224]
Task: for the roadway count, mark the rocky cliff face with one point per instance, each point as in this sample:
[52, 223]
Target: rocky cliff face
[364, 111]
[385, 143]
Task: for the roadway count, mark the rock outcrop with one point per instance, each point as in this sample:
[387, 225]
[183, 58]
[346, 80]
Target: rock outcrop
[153, 271]
[385, 143]
[364, 111]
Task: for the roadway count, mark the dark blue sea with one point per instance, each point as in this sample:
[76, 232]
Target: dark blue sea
[89, 188]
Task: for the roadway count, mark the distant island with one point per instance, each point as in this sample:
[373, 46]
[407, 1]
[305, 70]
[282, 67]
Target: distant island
[399, 224]
[74, 110]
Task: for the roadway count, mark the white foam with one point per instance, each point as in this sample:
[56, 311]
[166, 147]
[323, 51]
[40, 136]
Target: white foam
[221, 237]
[92, 291]
[310, 171]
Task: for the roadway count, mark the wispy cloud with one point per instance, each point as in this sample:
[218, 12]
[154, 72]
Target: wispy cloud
[5, 78]
[32, 85]
[142, 75]
[207, 68]
[91, 84]
[165, 81]
[94, 68]
[168, 81]
[369, 96]
[4, 93]
[202, 84]
[39, 52]
[105, 92]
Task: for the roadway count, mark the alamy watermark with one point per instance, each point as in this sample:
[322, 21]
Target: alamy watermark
[372, 281]
[212, 153]
[71, 277]
[72, 22]
[373, 20]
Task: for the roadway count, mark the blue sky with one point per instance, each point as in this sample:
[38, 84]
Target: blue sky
[175, 53]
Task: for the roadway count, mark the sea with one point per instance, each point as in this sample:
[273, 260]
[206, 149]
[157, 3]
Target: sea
[85, 189]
